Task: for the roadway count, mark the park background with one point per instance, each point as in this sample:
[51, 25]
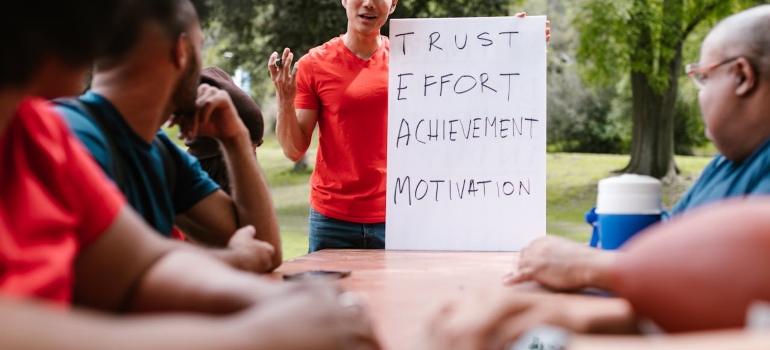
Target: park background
[617, 98]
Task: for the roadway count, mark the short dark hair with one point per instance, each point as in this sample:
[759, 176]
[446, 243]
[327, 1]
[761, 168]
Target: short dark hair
[174, 16]
[33, 31]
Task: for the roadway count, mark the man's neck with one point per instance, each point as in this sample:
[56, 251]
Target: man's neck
[362, 45]
[142, 104]
[9, 103]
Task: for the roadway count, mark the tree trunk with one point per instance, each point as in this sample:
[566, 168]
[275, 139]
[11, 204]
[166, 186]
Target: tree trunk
[300, 165]
[652, 144]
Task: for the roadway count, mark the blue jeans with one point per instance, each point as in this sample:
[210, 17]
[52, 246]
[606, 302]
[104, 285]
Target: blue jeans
[328, 233]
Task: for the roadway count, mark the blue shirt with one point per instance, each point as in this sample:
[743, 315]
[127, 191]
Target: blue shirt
[146, 186]
[723, 178]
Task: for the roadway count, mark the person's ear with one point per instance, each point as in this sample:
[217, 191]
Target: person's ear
[393, 7]
[181, 55]
[345, 3]
[745, 77]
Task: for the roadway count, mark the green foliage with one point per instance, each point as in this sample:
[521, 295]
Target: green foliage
[645, 39]
[619, 36]
[303, 24]
[579, 118]
[689, 131]
[250, 30]
[450, 8]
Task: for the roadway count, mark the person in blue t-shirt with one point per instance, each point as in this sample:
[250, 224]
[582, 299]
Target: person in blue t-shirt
[132, 95]
[705, 272]
[734, 97]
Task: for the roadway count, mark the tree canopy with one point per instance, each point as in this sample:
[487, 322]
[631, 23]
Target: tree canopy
[643, 40]
[250, 30]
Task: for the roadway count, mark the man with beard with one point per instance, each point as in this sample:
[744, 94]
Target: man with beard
[133, 93]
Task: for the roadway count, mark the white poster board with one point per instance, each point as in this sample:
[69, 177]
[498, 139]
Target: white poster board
[466, 133]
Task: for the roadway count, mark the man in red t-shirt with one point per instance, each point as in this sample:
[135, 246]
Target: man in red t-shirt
[342, 86]
[67, 235]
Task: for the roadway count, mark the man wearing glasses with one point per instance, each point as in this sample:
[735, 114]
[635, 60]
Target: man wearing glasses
[700, 272]
[733, 79]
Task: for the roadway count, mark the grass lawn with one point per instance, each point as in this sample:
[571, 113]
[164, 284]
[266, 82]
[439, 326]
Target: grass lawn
[571, 190]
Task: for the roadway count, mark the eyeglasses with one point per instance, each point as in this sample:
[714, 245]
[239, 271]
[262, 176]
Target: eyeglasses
[698, 73]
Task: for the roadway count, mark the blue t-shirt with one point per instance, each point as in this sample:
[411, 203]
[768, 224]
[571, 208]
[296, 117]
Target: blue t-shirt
[722, 178]
[146, 186]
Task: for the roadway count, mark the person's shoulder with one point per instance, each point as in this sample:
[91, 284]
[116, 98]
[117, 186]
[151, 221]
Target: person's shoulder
[84, 127]
[47, 126]
[323, 51]
[41, 118]
[759, 161]
[763, 150]
[72, 113]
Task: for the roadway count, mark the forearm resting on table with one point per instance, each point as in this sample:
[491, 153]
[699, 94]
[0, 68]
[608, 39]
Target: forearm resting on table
[190, 281]
[30, 325]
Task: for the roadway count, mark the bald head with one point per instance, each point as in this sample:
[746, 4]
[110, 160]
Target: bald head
[747, 34]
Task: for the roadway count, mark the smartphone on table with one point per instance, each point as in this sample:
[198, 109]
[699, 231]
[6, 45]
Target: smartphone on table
[316, 274]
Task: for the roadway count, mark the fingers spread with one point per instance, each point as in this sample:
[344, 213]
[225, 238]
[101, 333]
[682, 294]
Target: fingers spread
[271, 65]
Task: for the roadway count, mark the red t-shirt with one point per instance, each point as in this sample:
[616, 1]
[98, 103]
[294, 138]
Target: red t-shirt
[351, 97]
[54, 201]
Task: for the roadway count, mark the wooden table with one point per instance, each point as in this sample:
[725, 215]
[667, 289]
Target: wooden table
[404, 288]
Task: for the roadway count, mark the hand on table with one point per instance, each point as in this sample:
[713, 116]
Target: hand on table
[496, 320]
[561, 264]
[250, 254]
[310, 316]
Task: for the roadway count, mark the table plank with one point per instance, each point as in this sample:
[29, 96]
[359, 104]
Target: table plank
[404, 288]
